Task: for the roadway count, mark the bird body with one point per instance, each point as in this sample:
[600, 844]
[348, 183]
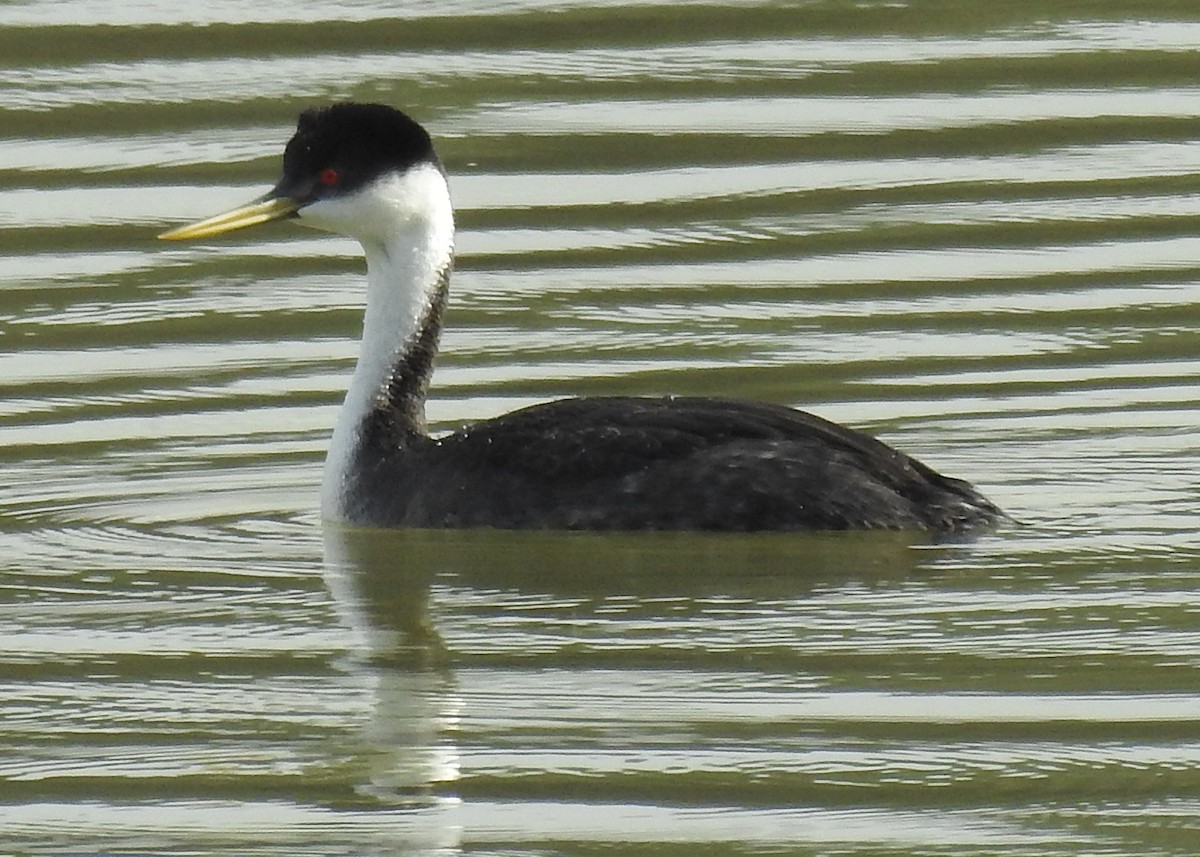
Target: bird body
[616, 463]
[607, 463]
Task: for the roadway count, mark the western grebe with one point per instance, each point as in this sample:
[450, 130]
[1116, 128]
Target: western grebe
[370, 172]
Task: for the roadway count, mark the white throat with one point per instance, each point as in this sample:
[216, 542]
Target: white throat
[405, 224]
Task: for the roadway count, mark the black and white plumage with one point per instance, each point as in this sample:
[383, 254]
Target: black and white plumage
[370, 172]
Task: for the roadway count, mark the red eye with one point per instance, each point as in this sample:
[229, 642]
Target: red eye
[329, 177]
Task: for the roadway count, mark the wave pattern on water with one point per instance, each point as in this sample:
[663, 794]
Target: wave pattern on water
[967, 227]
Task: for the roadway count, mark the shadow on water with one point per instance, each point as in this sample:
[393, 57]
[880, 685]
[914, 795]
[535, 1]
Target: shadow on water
[382, 579]
[386, 586]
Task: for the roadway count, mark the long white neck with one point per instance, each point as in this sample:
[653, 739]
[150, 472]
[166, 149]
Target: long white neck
[406, 227]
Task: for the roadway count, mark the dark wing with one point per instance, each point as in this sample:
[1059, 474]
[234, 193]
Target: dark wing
[679, 463]
[579, 439]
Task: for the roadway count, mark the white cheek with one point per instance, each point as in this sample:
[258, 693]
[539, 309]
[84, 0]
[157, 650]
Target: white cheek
[394, 203]
[340, 215]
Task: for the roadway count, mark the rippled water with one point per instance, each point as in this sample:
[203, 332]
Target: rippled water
[968, 228]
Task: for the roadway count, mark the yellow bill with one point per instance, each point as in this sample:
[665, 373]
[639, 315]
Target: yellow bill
[261, 211]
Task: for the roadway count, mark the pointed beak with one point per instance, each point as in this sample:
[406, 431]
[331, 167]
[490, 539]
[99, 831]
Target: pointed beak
[264, 210]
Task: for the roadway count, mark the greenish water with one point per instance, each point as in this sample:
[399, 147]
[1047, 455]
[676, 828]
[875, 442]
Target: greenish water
[966, 227]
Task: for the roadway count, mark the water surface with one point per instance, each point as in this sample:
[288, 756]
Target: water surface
[968, 228]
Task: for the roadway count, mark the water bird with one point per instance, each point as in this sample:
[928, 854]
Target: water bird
[369, 171]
